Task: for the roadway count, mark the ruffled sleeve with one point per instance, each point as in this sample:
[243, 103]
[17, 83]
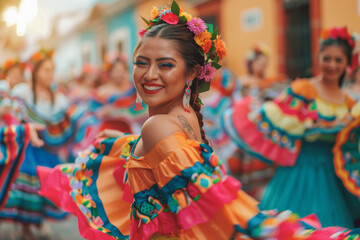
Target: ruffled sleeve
[191, 188]
[93, 189]
[13, 142]
[273, 131]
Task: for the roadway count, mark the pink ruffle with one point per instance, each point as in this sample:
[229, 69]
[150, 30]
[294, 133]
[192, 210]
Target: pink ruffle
[119, 175]
[251, 135]
[54, 185]
[200, 211]
[302, 114]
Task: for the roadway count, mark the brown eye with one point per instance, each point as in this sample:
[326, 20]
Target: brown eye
[326, 59]
[339, 60]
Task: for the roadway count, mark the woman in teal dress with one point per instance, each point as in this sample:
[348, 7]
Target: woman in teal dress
[297, 132]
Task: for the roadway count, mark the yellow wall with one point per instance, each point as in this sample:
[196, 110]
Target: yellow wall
[341, 13]
[239, 41]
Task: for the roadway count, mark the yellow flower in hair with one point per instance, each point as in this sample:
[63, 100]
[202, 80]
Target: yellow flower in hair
[202, 37]
[187, 15]
[154, 13]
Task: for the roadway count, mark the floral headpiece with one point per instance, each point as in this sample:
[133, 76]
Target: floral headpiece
[38, 56]
[259, 48]
[352, 40]
[10, 64]
[210, 45]
[338, 33]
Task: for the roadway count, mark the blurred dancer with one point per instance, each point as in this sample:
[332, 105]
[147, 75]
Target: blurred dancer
[12, 73]
[85, 85]
[297, 131]
[114, 102]
[25, 206]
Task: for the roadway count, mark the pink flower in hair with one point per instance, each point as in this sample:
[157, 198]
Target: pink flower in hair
[196, 25]
[207, 72]
[142, 32]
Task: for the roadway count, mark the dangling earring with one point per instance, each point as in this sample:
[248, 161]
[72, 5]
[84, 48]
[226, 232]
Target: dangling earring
[186, 98]
[138, 105]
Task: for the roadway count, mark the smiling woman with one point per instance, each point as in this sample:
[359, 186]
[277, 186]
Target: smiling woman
[168, 183]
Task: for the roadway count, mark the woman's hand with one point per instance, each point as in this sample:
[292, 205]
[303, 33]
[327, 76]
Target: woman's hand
[34, 136]
[109, 133]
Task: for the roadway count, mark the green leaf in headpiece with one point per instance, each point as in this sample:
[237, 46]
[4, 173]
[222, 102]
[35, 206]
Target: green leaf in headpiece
[204, 86]
[175, 9]
[182, 19]
[146, 21]
[216, 65]
[210, 28]
[201, 52]
[199, 99]
[214, 35]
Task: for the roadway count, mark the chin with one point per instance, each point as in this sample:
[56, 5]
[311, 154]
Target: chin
[333, 78]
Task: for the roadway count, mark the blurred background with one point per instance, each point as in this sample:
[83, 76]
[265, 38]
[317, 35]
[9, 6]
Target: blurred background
[83, 31]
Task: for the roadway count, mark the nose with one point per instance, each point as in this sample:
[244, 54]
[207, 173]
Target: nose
[332, 64]
[152, 73]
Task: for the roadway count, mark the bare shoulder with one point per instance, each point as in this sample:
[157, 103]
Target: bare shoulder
[157, 128]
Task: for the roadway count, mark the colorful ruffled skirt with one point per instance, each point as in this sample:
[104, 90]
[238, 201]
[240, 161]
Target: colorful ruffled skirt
[311, 186]
[25, 205]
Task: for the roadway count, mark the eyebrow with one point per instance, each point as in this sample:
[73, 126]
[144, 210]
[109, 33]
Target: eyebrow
[158, 59]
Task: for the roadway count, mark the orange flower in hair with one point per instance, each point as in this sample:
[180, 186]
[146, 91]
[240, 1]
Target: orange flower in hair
[38, 56]
[10, 64]
[202, 37]
[325, 34]
[220, 47]
[207, 45]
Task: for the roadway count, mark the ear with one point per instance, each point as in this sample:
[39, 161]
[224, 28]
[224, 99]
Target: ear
[193, 73]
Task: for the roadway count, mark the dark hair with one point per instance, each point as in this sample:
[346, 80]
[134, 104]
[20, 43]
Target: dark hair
[189, 50]
[353, 74]
[347, 51]
[249, 63]
[33, 81]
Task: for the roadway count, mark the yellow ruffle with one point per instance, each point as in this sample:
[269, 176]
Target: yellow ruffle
[355, 111]
[328, 109]
[290, 124]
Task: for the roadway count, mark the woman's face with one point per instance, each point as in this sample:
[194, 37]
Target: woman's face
[259, 65]
[118, 73]
[14, 76]
[333, 62]
[45, 74]
[159, 72]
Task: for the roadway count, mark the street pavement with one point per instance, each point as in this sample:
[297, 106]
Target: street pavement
[56, 230]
